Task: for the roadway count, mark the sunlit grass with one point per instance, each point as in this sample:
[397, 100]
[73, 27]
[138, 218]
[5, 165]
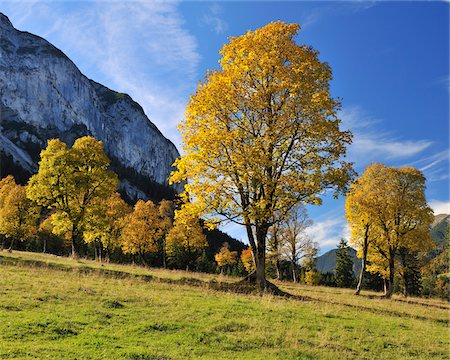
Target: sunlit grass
[49, 313]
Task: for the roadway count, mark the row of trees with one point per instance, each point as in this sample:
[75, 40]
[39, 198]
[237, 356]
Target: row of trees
[390, 223]
[74, 196]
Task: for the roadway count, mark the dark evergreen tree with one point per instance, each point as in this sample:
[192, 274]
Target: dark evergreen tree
[344, 265]
[412, 279]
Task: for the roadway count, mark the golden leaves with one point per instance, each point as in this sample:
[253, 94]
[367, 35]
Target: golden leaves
[262, 133]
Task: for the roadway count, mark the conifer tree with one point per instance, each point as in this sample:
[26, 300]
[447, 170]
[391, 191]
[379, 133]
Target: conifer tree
[344, 265]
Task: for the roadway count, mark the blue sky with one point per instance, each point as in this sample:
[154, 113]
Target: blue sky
[390, 62]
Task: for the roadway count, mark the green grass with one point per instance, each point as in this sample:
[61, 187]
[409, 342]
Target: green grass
[56, 311]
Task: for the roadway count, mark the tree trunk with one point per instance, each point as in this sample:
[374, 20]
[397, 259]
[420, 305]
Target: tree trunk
[261, 259]
[11, 245]
[164, 254]
[390, 288]
[363, 261]
[294, 273]
[278, 267]
[404, 274]
[44, 247]
[142, 259]
[73, 240]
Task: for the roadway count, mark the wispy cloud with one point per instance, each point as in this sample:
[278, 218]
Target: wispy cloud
[370, 144]
[325, 8]
[213, 19]
[440, 207]
[328, 232]
[140, 48]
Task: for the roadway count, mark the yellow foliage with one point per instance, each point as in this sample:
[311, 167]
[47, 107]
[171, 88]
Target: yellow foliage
[392, 202]
[225, 257]
[143, 228]
[105, 220]
[186, 238]
[18, 214]
[247, 260]
[70, 181]
[261, 134]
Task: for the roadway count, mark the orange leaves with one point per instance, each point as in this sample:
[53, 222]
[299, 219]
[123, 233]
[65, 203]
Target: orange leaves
[247, 260]
[225, 257]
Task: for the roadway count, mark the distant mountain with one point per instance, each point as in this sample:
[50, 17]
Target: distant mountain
[43, 95]
[327, 262]
[439, 229]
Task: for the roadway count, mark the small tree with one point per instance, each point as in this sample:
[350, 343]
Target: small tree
[344, 265]
[185, 240]
[247, 260]
[70, 181]
[104, 223]
[296, 244]
[225, 257]
[400, 214]
[167, 213]
[143, 228]
[18, 214]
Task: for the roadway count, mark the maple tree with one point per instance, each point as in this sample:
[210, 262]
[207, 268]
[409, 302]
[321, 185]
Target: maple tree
[261, 135]
[104, 223]
[143, 227]
[394, 205]
[358, 207]
[69, 181]
[185, 239]
[167, 212]
[225, 257]
[18, 214]
[247, 260]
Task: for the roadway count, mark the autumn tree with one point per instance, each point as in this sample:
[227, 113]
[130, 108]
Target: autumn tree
[344, 265]
[296, 243]
[167, 213]
[400, 216]
[185, 240]
[104, 223]
[225, 257]
[70, 181]
[6, 185]
[18, 214]
[247, 260]
[261, 135]
[143, 228]
[358, 208]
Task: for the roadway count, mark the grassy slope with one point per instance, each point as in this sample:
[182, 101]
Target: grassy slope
[49, 313]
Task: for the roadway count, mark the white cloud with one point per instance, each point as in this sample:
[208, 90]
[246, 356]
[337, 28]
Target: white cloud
[327, 233]
[440, 207]
[370, 144]
[214, 20]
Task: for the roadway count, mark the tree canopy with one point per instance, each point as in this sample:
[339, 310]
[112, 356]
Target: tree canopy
[261, 135]
[392, 202]
[70, 181]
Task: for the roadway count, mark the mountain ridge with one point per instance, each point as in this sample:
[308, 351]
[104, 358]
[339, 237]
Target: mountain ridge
[44, 95]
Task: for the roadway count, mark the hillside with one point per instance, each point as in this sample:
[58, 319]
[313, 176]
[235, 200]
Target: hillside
[53, 307]
[43, 95]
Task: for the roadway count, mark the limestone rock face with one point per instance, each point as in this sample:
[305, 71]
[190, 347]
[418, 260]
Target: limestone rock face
[43, 95]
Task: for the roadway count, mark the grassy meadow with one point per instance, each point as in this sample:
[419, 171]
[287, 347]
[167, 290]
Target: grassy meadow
[58, 308]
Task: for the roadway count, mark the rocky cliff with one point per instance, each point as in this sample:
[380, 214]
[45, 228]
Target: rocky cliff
[43, 95]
